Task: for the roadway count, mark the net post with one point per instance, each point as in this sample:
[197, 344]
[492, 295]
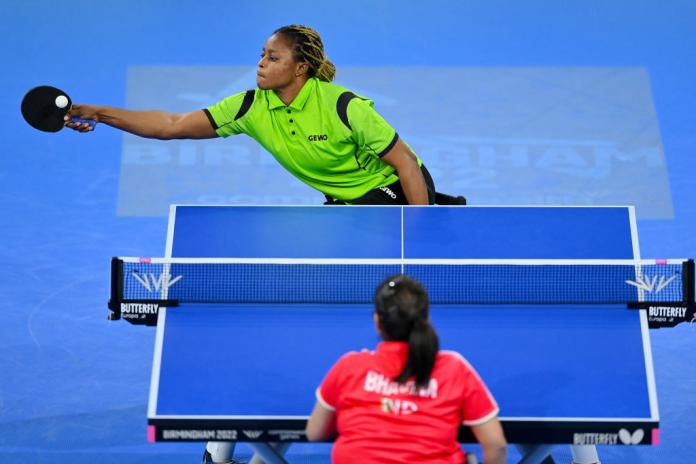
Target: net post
[116, 289]
[688, 281]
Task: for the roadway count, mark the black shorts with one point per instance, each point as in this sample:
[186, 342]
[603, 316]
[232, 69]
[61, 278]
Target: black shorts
[392, 194]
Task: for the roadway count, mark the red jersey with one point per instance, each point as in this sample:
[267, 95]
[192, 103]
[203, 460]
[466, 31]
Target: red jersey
[382, 421]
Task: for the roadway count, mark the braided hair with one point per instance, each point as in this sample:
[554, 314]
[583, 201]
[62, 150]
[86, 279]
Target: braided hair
[307, 46]
[402, 307]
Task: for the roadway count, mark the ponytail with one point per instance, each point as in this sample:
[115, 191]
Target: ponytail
[326, 71]
[423, 346]
[402, 307]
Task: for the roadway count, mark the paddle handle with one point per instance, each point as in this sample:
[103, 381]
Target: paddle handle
[91, 122]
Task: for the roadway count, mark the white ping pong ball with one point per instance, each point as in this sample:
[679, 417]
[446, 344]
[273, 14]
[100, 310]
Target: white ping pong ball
[61, 101]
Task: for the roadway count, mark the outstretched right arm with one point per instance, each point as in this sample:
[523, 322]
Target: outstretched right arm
[149, 124]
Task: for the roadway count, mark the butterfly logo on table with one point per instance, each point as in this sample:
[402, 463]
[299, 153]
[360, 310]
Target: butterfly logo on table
[153, 283]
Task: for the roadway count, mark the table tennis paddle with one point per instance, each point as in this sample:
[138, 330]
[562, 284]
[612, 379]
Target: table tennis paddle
[44, 108]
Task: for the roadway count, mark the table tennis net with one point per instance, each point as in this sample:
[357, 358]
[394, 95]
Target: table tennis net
[320, 281]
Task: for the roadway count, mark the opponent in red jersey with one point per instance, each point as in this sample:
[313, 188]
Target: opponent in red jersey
[405, 401]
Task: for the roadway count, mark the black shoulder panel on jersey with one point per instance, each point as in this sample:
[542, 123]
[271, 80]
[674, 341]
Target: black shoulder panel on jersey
[342, 107]
[246, 104]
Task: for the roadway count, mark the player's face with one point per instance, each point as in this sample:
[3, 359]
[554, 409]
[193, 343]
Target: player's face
[277, 67]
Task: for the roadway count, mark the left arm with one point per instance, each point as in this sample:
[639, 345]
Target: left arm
[321, 424]
[410, 175]
[492, 439]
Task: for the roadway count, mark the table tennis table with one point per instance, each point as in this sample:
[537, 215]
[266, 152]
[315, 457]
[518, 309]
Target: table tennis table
[578, 374]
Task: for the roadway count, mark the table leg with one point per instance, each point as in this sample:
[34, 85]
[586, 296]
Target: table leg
[584, 454]
[269, 453]
[535, 454]
[220, 450]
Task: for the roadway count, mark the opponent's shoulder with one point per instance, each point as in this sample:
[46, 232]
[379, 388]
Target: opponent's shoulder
[353, 359]
[453, 360]
[357, 356]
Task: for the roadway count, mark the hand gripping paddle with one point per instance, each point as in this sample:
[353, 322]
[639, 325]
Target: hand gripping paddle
[44, 107]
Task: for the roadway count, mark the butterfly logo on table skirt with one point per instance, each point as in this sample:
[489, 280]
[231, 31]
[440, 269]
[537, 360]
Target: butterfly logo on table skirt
[628, 438]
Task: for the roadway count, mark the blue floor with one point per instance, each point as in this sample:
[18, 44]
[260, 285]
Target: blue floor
[73, 387]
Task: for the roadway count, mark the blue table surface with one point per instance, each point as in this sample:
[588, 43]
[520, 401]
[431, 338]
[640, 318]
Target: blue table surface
[428, 232]
[539, 362]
